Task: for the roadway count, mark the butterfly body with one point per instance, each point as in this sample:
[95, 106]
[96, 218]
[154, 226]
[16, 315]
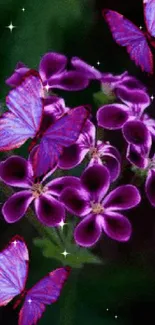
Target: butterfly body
[13, 275]
[126, 34]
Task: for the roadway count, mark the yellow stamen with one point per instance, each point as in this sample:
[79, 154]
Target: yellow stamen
[97, 208]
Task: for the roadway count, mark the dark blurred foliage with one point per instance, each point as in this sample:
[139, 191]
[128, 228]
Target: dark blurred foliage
[125, 282]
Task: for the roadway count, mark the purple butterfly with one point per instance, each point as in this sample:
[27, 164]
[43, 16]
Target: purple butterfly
[13, 275]
[125, 33]
[24, 121]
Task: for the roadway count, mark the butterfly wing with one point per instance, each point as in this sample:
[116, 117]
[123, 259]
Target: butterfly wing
[149, 14]
[45, 292]
[26, 108]
[62, 133]
[125, 33]
[13, 270]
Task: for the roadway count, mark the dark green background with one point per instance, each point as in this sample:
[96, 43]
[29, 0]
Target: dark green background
[125, 281]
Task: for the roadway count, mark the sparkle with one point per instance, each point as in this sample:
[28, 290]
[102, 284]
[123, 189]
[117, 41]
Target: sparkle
[15, 243]
[107, 309]
[11, 27]
[29, 301]
[47, 87]
[93, 67]
[61, 224]
[65, 253]
[23, 9]
[140, 27]
[116, 316]
[98, 62]
[152, 97]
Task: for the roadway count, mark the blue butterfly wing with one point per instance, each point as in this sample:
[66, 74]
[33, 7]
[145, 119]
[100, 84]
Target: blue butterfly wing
[26, 107]
[13, 270]
[45, 292]
[149, 14]
[62, 133]
[125, 33]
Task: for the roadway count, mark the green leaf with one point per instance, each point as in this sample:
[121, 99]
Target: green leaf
[101, 98]
[139, 172]
[77, 257]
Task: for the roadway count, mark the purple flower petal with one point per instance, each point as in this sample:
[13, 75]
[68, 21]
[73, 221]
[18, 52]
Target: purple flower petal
[88, 231]
[113, 166]
[76, 201]
[112, 116]
[150, 187]
[85, 68]
[49, 210]
[57, 185]
[87, 136]
[16, 171]
[17, 76]
[135, 132]
[51, 64]
[134, 97]
[136, 156]
[116, 226]
[74, 154]
[96, 180]
[69, 80]
[112, 80]
[122, 198]
[131, 83]
[110, 157]
[71, 157]
[16, 206]
[106, 148]
[150, 124]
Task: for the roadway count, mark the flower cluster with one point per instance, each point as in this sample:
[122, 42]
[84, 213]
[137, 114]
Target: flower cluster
[69, 137]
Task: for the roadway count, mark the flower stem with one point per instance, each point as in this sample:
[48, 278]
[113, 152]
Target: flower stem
[68, 305]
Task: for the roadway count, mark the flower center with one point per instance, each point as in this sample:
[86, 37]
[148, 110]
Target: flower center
[96, 208]
[93, 151]
[37, 189]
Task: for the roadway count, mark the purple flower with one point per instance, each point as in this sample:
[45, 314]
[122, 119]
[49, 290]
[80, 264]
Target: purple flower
[53, 72]
[137, 127]
[99, 212]
[109, 82]
[102, 153]
[17, 171]
[142, 161]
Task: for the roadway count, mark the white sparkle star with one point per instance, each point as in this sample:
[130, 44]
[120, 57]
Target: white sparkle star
[98, 62]
[116, 316]
[152, 97]
[93, 67]
[11, 27]
[15, 243]
[140, 27]
[61, 224]
[65, 253]
[47, 87]
[29, 301]
[107, 309]
[23, 9]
